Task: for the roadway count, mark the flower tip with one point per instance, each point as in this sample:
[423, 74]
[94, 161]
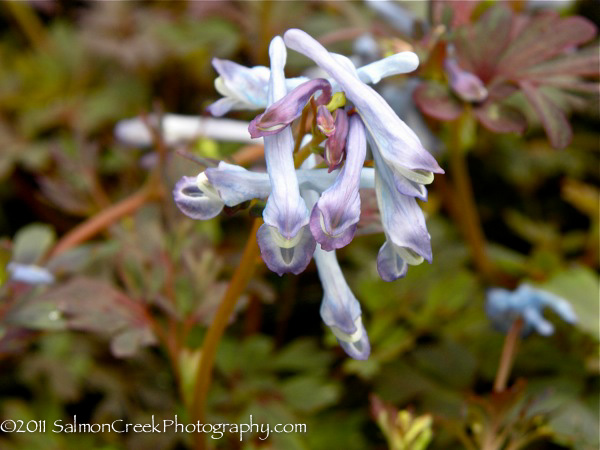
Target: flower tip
[411, 61]
[193, 201]
[357, 345]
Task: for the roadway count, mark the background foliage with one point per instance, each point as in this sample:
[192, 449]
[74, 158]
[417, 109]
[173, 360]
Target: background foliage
[118, 334]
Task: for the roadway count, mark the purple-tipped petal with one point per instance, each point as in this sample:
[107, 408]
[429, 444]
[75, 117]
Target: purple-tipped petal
[398, 144]
[283, 256]
[466, 85]
[325, 121]
[195, 203]
[339, 309]
[330, 240]
[287, 109]
[336, 142]
[334, 217]
[389, 264]
[285, 241]
[357, 349]
[401, 217]
[403, 184]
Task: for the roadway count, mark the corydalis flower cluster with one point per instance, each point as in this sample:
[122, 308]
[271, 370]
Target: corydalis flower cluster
[312, 211]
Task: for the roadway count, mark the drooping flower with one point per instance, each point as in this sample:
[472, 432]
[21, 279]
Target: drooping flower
[407, 239]
[285, 241]
[339, 309]
[398, 145]
[503, 307]
[336, 214]
[355, 115]
[204, 196]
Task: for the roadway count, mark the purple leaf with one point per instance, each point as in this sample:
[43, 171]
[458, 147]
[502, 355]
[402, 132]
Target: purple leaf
[543, 38]
[585, 62]
[88, 305]
[478, 52]
[555, 123]
[436, 101]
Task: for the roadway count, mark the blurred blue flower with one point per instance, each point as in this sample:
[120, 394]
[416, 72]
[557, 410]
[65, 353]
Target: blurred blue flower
[29, 273]
[503, 307]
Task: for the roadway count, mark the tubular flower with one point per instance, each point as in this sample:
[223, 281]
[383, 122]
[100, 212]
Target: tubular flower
[246, 87]
[242, 87]
[203, 197]
[339, 309]
[348, 116]
[285, 241]
[398, 145]
[407, 239]
[336, 214]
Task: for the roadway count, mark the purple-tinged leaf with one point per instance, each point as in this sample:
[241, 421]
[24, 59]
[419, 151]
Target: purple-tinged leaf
[500, 118]
[544, 38]
[585, 62]
[555, 123]
[478, 52]
[436, 101]
[498, 90]
[88, 305]
[573, 84]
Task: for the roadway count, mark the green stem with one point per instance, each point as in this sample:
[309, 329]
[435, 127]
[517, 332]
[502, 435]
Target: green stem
[29, 23]
[465, 208]
[238, 283]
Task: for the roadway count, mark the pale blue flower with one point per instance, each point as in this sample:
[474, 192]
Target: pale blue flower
[503, 307]
[29, 273]
[407, 239]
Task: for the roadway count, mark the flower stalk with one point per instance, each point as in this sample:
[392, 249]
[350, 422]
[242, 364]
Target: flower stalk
[509, 351]
[465, 209]
[238, 283]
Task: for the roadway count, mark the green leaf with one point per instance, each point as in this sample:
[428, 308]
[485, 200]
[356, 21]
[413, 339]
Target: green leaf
[580, 286]
[31, 242]
[309, 393]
